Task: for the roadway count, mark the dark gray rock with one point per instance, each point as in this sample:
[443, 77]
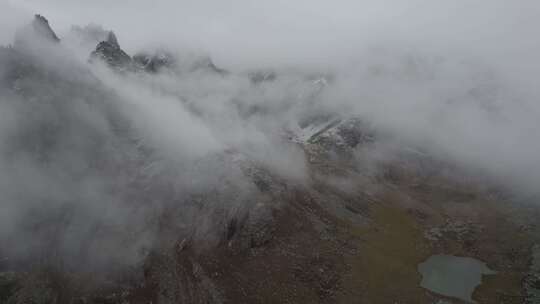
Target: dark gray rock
[153, 63]
[109, 51]
[343, 133]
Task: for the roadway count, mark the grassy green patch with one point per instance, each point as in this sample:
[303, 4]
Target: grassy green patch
[385, 268]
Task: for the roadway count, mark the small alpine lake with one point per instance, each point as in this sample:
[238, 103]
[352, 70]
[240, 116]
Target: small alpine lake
[453, 276]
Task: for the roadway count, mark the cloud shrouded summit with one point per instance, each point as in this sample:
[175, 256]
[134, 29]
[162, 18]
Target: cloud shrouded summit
[149, 132]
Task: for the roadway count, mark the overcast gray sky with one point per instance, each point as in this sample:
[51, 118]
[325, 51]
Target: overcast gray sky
[301, 30]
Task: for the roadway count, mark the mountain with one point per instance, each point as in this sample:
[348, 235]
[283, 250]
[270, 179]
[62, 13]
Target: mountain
[39, 29]
[110, 52]
[100, 204]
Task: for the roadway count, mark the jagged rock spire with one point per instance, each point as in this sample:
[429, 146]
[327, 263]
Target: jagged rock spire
[110, 52]
[112, 40]
[41, 26]
[38, 31]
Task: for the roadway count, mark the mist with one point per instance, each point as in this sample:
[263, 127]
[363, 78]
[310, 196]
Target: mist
[456, 79]
[308, 32]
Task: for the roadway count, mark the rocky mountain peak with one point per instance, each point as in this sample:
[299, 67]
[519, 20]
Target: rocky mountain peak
[112, 40]
[38, 31]
[110, 52]
[41, 26]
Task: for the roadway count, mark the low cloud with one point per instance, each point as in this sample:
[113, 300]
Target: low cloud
[100, 157]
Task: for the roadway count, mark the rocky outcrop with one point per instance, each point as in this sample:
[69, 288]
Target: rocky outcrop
[37, 32]
[40, 26]
[109, 51]
[334, 133]
[153, 63]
